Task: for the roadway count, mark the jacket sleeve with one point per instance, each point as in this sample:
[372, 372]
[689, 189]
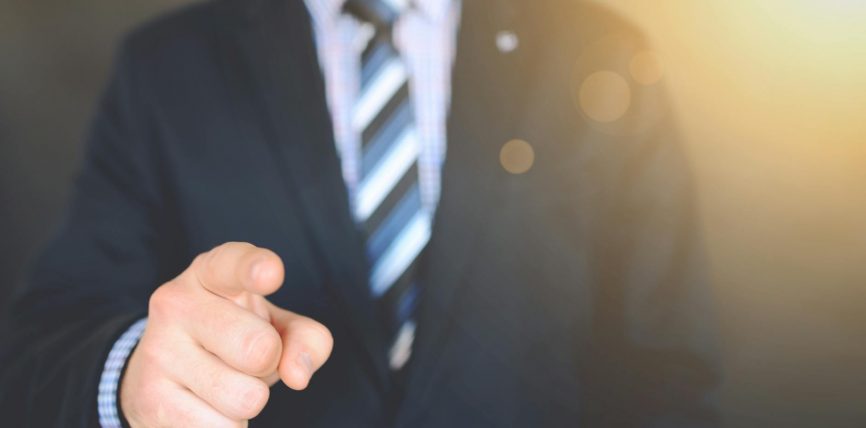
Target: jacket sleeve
[92, 281]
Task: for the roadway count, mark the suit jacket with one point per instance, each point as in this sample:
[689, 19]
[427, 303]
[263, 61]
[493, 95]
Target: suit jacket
[571, 294]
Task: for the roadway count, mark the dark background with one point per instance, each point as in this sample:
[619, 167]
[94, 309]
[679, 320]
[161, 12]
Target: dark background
[769, 105]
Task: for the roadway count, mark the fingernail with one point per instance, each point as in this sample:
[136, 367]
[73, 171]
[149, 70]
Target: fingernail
[305, 363]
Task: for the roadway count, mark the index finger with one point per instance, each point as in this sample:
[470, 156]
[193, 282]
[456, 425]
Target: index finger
[235, 268]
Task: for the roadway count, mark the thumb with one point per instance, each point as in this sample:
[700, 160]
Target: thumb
[307, 344]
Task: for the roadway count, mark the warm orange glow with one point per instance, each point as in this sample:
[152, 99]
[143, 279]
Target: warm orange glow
[771, 99]
[605, 96]
[647, 68]
[762, 65]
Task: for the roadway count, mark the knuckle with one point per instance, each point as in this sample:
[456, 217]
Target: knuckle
[231, 247]
[200, 261]
[261, 350]
[164, 301]
[252, 400]
[151, 356]
[156, 352]
[209, 258]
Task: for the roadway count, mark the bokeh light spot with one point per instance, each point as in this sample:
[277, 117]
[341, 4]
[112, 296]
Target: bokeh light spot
[517, 156]
[605, 96]
[647, 68]
[507, 41]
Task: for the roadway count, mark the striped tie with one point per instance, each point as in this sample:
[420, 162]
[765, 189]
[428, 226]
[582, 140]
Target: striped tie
[387, 202]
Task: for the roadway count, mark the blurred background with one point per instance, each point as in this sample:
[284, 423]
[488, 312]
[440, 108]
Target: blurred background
[772, 99]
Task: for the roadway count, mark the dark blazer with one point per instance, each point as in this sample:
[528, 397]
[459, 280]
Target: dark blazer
[571, 294]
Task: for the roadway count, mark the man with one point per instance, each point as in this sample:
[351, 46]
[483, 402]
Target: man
[415, 214]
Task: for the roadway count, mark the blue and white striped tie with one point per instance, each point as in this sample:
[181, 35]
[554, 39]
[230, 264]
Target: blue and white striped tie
[387, 202]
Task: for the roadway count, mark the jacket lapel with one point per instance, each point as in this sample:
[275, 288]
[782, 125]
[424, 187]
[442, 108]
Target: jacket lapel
[278, 45]
[488, 86]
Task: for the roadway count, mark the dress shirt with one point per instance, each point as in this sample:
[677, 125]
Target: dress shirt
[425, 37]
